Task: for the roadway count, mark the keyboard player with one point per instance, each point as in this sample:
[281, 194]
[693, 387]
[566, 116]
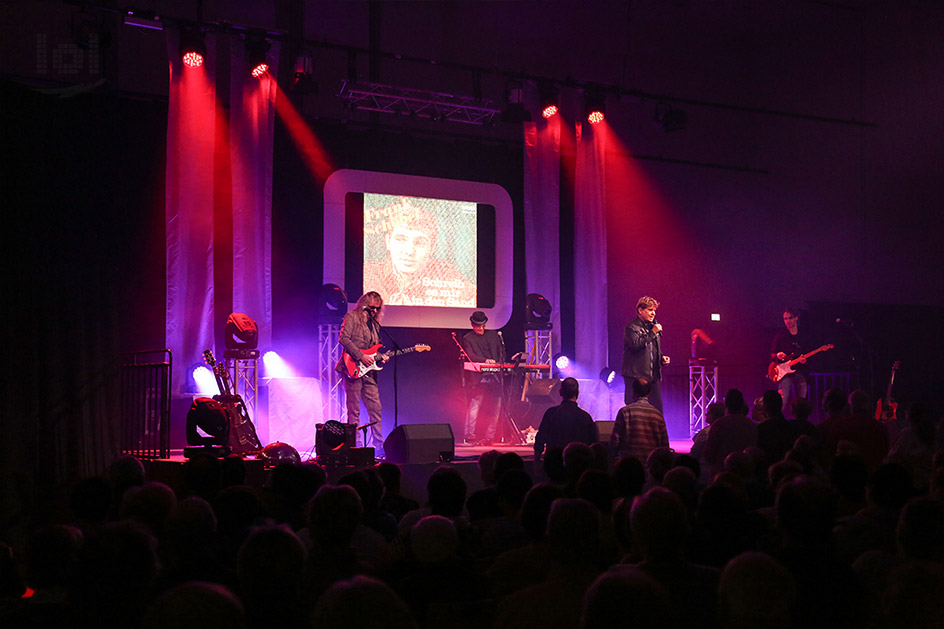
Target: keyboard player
[484, 389]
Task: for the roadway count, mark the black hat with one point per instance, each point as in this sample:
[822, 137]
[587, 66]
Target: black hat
[478, 317]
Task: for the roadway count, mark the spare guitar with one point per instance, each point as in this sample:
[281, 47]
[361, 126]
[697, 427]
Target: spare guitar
[356, 369]
[776, 371]
[242, 433]
[886, 409]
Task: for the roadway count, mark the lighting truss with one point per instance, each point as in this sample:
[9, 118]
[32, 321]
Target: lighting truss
[418, 103]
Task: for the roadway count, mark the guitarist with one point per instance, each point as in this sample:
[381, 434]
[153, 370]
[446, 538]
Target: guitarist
[360, 330]
[789, 344]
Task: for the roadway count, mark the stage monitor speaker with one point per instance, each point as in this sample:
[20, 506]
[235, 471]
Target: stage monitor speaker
[604, 429]
[544, 390]
[420, 443]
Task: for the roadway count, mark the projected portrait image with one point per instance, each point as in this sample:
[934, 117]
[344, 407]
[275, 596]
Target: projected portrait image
[420, 252]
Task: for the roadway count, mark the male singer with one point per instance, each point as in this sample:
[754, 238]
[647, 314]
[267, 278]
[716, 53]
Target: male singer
[642, 351]
[483, 346]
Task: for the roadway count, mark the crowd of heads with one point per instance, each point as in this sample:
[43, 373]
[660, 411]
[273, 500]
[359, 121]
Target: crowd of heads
[815, 538]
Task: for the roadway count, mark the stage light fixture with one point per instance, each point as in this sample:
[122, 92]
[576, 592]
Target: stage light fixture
[333, 304]
[595, 103]
[608, 375]
[256, 49]
[192, 47]
[275, 365]
[204, 382]
[241, 332]
[303, 83]
[143, 19]
[209, 416]
[515, 111]
[537, 312]
[669, 118]
[548, 101]
[562, 362]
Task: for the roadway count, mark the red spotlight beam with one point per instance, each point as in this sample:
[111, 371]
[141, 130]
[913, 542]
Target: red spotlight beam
[312, 152]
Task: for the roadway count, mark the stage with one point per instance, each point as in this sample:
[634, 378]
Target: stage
[170, 470]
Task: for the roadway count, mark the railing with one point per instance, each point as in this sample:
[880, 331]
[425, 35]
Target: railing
[145, 405]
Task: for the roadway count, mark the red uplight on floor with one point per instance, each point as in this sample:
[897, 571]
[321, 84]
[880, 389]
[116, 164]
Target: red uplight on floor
[595, 117]
[550, 111]
[193, 59]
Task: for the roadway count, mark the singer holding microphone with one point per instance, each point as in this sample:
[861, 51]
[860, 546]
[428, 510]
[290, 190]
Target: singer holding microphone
[482, 346]
[642, 351]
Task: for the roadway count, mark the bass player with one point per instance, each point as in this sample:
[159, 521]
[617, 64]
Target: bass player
[360, 330]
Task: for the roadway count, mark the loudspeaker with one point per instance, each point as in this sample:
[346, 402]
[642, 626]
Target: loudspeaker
[333, 437]
[544, 390]
[420, 443]
[604, 429]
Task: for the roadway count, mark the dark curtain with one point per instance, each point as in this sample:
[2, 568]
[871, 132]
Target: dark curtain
[83, 283]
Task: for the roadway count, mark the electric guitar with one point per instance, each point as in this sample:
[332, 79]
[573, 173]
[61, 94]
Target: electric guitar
[356, 369]
[776, 371]
[886, 409]
[242, 434]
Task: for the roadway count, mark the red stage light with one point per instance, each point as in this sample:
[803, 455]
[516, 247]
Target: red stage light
[192, 47]
[193, 59]
[550, 111]
[595, 103]
[259, 69]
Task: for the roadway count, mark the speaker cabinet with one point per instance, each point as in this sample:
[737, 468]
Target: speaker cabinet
[604, 429]
[420, 443]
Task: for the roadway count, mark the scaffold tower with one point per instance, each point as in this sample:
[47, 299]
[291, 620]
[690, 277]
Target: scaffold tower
[332, 387]
[703, 390]
[243, 367]
[537, 347]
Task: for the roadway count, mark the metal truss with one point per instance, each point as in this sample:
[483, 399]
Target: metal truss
[332, 390]
[703, 390]
[537, 346]
[418, 103]
[244, 374]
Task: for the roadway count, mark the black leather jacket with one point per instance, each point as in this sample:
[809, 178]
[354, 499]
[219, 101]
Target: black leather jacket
[642, 351]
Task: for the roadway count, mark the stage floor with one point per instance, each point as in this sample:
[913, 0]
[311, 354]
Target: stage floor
[464, 452]
[415, 475]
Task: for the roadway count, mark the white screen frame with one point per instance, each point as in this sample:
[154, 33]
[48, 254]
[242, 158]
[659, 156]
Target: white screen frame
[341, 182]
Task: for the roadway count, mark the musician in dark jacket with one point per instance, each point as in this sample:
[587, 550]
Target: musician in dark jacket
[482, 346]
[642, 351]
[360, 331]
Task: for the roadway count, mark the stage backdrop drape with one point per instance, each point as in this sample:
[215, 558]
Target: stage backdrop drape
[542, 234]
[542, 214]
[252, 124]
[590, 290]
[191, 124]
[193, 185]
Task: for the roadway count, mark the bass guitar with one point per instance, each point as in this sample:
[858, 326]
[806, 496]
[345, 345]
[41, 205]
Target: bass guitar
[886, 409]
[356, 369]
[242, 434]
[776, 371]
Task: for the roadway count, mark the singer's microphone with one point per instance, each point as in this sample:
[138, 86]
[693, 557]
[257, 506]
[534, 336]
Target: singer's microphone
[501, 337]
